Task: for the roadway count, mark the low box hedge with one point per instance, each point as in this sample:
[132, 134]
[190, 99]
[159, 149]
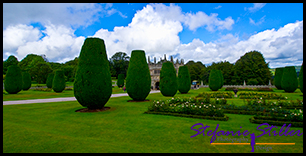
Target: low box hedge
[275, 123]
[225, 118]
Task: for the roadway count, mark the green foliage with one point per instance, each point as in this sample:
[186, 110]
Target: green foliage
[195, 69]
[183, 80]
[11, 60]
[214, 80]
[93, 84]
[278, 78]
[252, 65]
[13, 80]
[58, 83]
[301, 79]
[168, 80]
[289, 80]
[221, 78]
[50, 80]
[138, 79]
[252, 81]
[120, 81]
[119, 63]
[26, 81]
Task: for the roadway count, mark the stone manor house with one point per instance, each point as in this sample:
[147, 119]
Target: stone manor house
[156, 67]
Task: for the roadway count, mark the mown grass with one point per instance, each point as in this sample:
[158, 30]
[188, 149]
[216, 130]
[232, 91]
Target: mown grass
[56, 127]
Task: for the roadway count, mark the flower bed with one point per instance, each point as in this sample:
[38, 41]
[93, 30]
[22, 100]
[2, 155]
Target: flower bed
[254, 95]
[215, 95]
[298, 104]
[191, 107]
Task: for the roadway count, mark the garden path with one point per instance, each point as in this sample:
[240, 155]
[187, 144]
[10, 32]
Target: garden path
[58, 99]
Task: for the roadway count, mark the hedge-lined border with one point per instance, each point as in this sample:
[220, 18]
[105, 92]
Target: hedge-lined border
[225, 118]
[276, 123]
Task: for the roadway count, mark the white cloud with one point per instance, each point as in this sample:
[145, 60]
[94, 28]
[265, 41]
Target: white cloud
[279, 47]
[261, 20]
[255, 7]
[218, 7]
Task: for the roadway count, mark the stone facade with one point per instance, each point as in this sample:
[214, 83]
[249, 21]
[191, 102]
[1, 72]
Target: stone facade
[156, 67]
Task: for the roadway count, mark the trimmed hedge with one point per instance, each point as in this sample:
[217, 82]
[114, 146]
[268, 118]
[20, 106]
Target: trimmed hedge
[120, 81]
[289, 80]
[214, 80]
[183, 80]
[168, 80]
[92, 83]
[138, 78]
[59, 84]
[225, 118]
[260, 120]
[26, 81]
[13, 80]
[301, 79]
[50, 80]
[278, 78]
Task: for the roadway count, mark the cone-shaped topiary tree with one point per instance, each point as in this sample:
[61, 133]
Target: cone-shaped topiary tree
[183, 80]
[59, 84]
[138, 79]
[120, 81]
[289, 80]
[214, 80]
[26, 81]
[301, 78]
[93, 83]
[221, 78]
[50, 80]
[13, 80]
[168, 80]
[278, 78]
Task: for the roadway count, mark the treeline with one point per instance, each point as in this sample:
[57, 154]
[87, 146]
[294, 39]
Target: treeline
[251, 67]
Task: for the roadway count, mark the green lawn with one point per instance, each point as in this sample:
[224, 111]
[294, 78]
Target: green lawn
[56, 127]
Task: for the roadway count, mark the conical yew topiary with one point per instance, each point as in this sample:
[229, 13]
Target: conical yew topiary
[138, 79]
[120, 81]
[26, 81]
[289, 80]
[58, 83]
[50, 80]
[93, 83]
[301, 79]
[214, 80]
[278, 78]
[168, 80]
[13, 80]
[221, 78]
[183, 80]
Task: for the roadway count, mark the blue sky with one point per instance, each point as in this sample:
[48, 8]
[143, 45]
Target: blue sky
[206, 32]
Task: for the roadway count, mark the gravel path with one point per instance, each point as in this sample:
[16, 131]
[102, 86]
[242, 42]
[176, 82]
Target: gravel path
[57, 99]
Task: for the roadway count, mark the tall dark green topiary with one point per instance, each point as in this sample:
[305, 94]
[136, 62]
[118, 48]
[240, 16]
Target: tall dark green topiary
[93, 83]
[301, 78]
[138, 79]
[26, 81]
[168, 80]
[183, 80]
[120, 81]
[50, 80]
[214, 80]
[13, 80]
[221, 78]
[289, 80]
[278, 78]
[58, 83]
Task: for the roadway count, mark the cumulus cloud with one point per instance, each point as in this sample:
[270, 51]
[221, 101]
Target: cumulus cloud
[59, 43]
[279, 47]
[262, 19]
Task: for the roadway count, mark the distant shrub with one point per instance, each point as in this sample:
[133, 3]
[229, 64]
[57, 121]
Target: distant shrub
[183, 80]
[120, 81]
[289, 79]
[168, 79]
[59, 84]
[214, 80]
[13, 80]
[50, 80]
[252, 81]
[278, 78]
[26, 81]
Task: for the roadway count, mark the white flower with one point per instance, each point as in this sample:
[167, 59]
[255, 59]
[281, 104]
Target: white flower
[157, 102]
[196, 106]
[186, 105]
[260, 97]
[204, 105]
[209, 104]
[183, 106]
[295, 114]
[214, 106]
[217, 99]
[172, 98]
[199, 106]
[280, 107]
[273, 109]
[285, 115]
